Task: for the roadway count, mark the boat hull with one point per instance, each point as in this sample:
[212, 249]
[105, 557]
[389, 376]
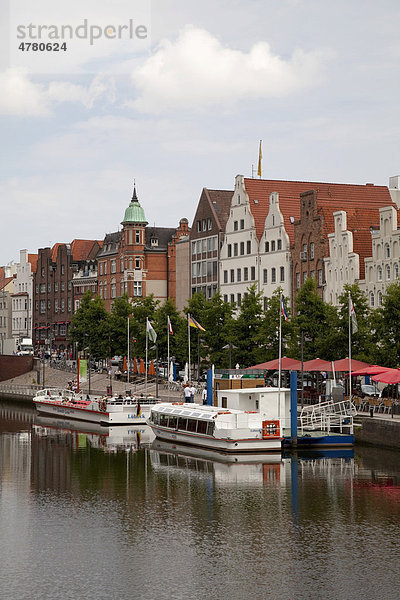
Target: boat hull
[222, 444]
[127, 416]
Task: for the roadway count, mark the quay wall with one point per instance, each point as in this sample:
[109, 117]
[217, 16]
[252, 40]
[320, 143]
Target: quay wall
[13, 366]
[378, 432]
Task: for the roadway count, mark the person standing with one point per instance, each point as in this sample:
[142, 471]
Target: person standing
[187, 393]
[204, 396]
[192, 393]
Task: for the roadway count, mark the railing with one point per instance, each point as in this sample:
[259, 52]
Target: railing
[327, 416]
[27, 391]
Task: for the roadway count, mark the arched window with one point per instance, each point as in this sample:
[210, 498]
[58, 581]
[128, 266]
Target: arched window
[387, 250]
[379, 298]
[372, 299]
[379, 273]
[387, 272]
[395, 271]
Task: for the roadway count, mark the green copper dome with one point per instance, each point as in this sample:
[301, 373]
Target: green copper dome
[134, 213]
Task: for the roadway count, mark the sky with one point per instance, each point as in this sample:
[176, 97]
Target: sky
[181, 104]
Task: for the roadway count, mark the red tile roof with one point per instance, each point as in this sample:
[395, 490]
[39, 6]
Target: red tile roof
[33, 259]
[80, 249]
[220, 202]
[341, 194]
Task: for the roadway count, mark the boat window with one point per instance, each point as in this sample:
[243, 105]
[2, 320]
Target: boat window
[164, 420]
[182, 423]
[207, 416]
[192, 425]
[196, 414]
[224, 400]
[167, 410]
[177, 411]
[202, 427]
[172, 421]
[186, 412]
[210, 428]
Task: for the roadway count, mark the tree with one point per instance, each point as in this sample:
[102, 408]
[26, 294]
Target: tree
[386, 328]
[310, 319]
[90, 326]
[168, 309]
[218, 322]
[246, 328]
[268, 336]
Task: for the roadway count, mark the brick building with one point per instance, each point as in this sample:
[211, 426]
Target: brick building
[53, 294]
[139, 260]
[317, 207]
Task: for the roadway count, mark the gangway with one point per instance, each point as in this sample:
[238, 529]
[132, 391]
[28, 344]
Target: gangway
[328, 416]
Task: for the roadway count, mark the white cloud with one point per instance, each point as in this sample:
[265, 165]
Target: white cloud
[101, 87]
[197, 71]
[20, 97]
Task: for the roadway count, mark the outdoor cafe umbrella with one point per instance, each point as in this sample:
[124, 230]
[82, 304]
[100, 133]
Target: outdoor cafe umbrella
[171, 372]
[343, 365]
[152, 370]
[317, 364]
[142, 369]
[287, 364]
[124, 366]
[371, 370]
[391, 376]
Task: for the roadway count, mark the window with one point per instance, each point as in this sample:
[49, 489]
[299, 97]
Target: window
[387, 273]
[113, 290]
[266, 246]
[204, 222]
[113, 266]
[371, 299]
[209, 224]
[62, 330]
[312, 274]
[62, 304]
[265, 275]
[235, 226]
[137, 262]
[69, 286]
[42, 271]
[241, 223]
[62, 269]
[273, 275]
[379, 298]
[56, 305]
[245, 274]
[239, 275]
[387, 250]
[273, 246]
[298, 281]
[395, 271]
[253, 273]
[49, 287]
[311, 251]
[101, 268]
[137, 237]
[235, 249]
[43, 307]
[232, 276]
[63, 286]
[249, 247]
[69, 304]
[379, 273]
[225, 297]
[42, 288]
[229, 250]
[239, 299]
[279, 244]
[105, 292]
[320, 279]
[241, 248]
[225, 276]
[198, 226]
[282, 273]
[305, 275]
[105, 268]
[137, 288]
[232, 299]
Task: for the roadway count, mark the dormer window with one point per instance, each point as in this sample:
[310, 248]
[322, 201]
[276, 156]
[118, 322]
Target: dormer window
[154, 241]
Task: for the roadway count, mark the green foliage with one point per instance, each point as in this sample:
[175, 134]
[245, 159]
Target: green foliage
[268, 336]
[90, 326]
[310, 319]
[246, 329]
[385, 324]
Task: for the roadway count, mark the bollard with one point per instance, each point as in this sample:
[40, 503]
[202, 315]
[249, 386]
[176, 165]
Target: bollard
[371, 411]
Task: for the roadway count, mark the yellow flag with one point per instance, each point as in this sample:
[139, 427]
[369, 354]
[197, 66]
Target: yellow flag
[259, 161]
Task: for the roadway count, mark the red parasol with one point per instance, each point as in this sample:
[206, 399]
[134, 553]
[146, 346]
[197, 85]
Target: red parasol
[317, 364]
[343, 365]
[124, 366]
[142, 367]
[390, 376]
[371, 370]
[287, 364]
[152, 370]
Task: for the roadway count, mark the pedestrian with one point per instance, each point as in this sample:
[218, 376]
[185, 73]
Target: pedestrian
[192, 393]
[187, 393]
[204, 396]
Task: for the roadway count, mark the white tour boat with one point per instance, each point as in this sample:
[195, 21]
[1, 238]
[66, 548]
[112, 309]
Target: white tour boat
[106, 411]
[228, 430]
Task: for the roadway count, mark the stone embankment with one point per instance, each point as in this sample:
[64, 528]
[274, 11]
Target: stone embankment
[379, 430]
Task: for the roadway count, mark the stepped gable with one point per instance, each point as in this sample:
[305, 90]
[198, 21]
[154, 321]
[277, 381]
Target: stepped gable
[341, 194]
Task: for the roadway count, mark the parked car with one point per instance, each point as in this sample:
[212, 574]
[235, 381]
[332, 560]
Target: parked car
[370, 390]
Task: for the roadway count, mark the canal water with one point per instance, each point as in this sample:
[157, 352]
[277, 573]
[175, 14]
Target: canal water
[93, 513]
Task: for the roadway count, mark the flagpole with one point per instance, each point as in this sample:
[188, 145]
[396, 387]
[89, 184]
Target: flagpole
[189, 345]
[280, 358]
[145, 377]
[350, 390]
[127, 378]
[168, 322]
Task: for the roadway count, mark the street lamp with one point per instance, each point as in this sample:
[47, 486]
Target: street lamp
[230, 346]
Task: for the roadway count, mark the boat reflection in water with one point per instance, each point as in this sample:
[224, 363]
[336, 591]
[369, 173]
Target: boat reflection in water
[226, 467]
[110, 439]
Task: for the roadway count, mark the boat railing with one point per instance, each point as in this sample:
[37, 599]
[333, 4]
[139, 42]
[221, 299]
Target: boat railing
[61, 392]
[326, 416]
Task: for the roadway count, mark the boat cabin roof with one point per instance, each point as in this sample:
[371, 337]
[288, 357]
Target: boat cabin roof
[195, 411]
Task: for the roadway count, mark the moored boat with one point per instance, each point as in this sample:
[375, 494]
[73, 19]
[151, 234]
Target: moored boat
[105, 411]
[227, 430]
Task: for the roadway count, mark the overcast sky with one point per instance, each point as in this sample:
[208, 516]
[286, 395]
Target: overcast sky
[185, 108]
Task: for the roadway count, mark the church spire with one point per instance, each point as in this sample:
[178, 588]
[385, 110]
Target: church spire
[134, 196]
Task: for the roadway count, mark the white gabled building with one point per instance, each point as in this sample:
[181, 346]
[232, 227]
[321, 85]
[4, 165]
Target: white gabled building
[22, 297]
[258, 235]
[383, 267]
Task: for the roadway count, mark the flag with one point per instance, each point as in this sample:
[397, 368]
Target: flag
[283, 309]
[352, 313]
[259, 161]
[194, 323]
[150, 332]
[139, 409]
[170, 327]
